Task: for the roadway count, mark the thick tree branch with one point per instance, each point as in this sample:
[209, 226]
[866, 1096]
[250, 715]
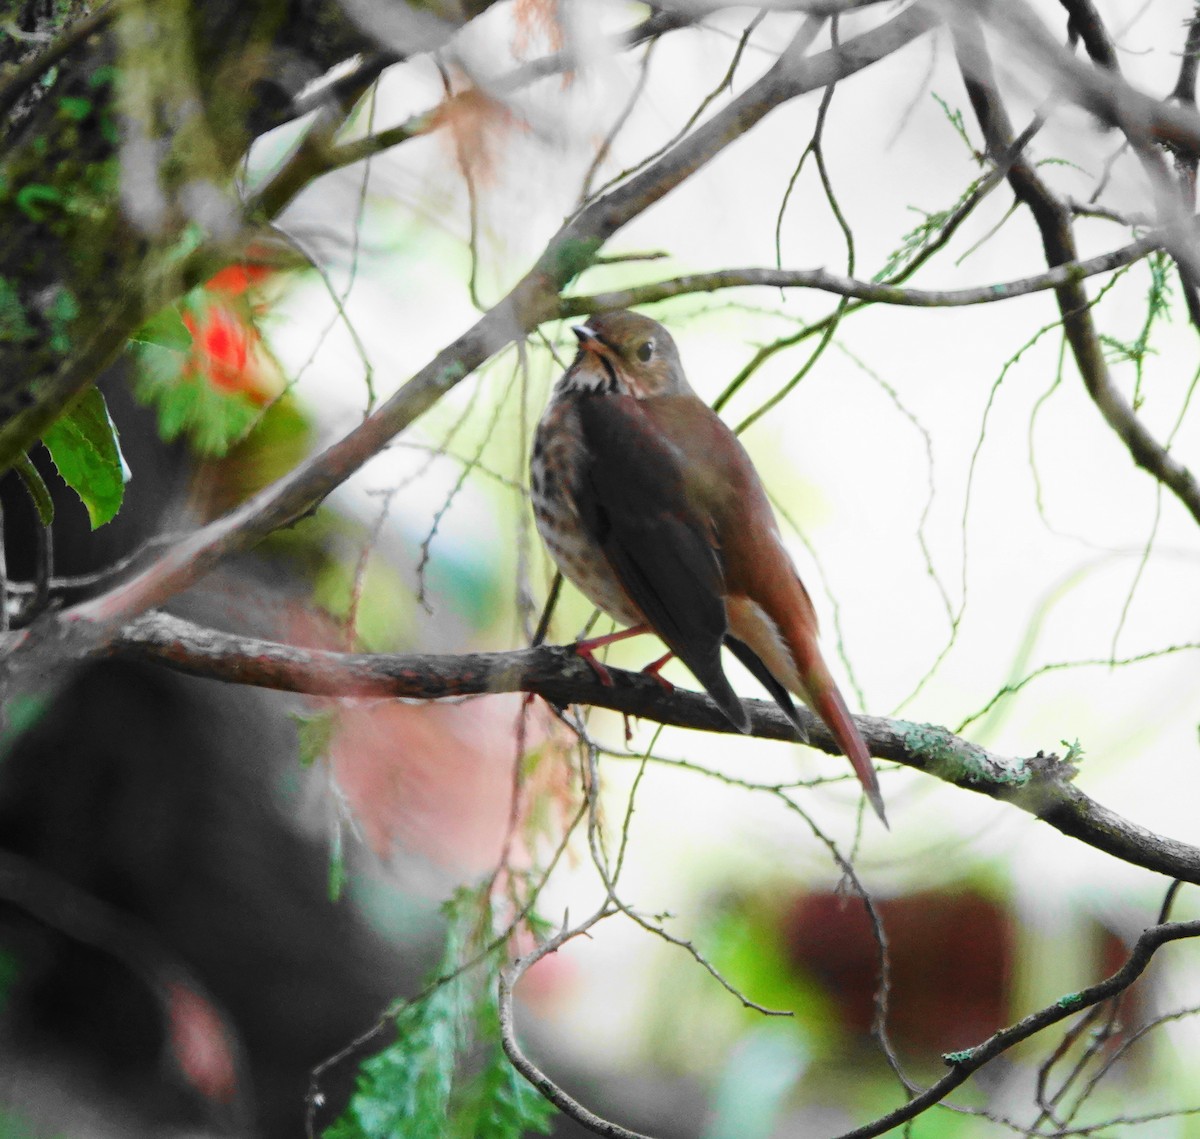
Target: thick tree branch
[1040, 785]
[873, 292]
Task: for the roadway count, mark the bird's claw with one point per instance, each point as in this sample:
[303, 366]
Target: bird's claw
[602, 673]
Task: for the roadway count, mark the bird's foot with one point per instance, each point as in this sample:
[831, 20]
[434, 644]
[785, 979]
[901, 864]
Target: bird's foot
[655, 668]
[602, 673]
[586, 650]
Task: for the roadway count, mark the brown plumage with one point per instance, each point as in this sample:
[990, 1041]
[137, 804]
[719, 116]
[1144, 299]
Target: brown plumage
[651, 506]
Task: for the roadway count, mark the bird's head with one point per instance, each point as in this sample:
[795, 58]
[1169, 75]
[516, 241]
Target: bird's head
[628, 353]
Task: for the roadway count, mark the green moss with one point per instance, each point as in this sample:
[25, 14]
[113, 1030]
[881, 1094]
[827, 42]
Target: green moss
[452, 373]
[61, 312]
[927, 741]
[14, 326]
[34, 200]
[74, 107]
[103, 76]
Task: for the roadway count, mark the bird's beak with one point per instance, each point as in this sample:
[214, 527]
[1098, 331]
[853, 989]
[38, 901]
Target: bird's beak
[588, 340]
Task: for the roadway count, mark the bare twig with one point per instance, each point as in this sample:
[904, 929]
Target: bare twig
[567, 1104]
[1107, 96]
[1087, 23]
[1053, 220]
[964, 1064]
[949, 227]
[600, 861]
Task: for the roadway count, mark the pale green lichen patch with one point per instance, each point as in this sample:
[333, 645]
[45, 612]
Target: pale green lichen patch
[574, 255]
[956, 760]
[956, 1058]
[1070, 1001]
[451, 373]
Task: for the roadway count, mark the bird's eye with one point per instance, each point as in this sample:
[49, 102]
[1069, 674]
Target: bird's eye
[645, 351]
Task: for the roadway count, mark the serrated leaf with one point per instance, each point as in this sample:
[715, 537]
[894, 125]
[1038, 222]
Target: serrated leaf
[83, 444]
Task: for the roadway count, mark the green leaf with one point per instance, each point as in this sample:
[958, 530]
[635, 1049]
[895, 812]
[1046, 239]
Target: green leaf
[83, 444]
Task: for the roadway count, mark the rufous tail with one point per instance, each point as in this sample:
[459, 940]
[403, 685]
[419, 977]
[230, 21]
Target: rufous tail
[827, 702]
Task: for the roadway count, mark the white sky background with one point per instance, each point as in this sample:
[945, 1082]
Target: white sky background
[850, 467]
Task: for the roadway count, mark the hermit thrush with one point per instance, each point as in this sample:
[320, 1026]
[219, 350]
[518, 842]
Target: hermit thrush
[651, 506]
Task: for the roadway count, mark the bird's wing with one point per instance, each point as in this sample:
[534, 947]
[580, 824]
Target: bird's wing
[632, 498]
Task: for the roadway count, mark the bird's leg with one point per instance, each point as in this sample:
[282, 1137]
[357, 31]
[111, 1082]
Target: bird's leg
[655, 668]
[586, 649]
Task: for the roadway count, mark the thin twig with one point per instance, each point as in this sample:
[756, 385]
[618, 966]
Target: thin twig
[1054, 223]
[965, 1063]
[871, 292]
[567, 1104]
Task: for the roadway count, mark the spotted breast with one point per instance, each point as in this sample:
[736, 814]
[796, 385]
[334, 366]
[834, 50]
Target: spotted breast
[557, 466]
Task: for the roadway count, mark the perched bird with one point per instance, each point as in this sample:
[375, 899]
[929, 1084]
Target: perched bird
[651, 506]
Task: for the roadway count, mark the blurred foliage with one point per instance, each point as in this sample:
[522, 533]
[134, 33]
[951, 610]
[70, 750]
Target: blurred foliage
[204, 364]
[446, 1075]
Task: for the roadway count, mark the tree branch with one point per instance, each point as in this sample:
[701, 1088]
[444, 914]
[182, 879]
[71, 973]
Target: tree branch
[873, 292]
[966, 1063]
[1107, 96]
[1053, 219]
[1039, 785]
[962, 1064]
[29, 72]
[532, 300]
[1086, 22]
